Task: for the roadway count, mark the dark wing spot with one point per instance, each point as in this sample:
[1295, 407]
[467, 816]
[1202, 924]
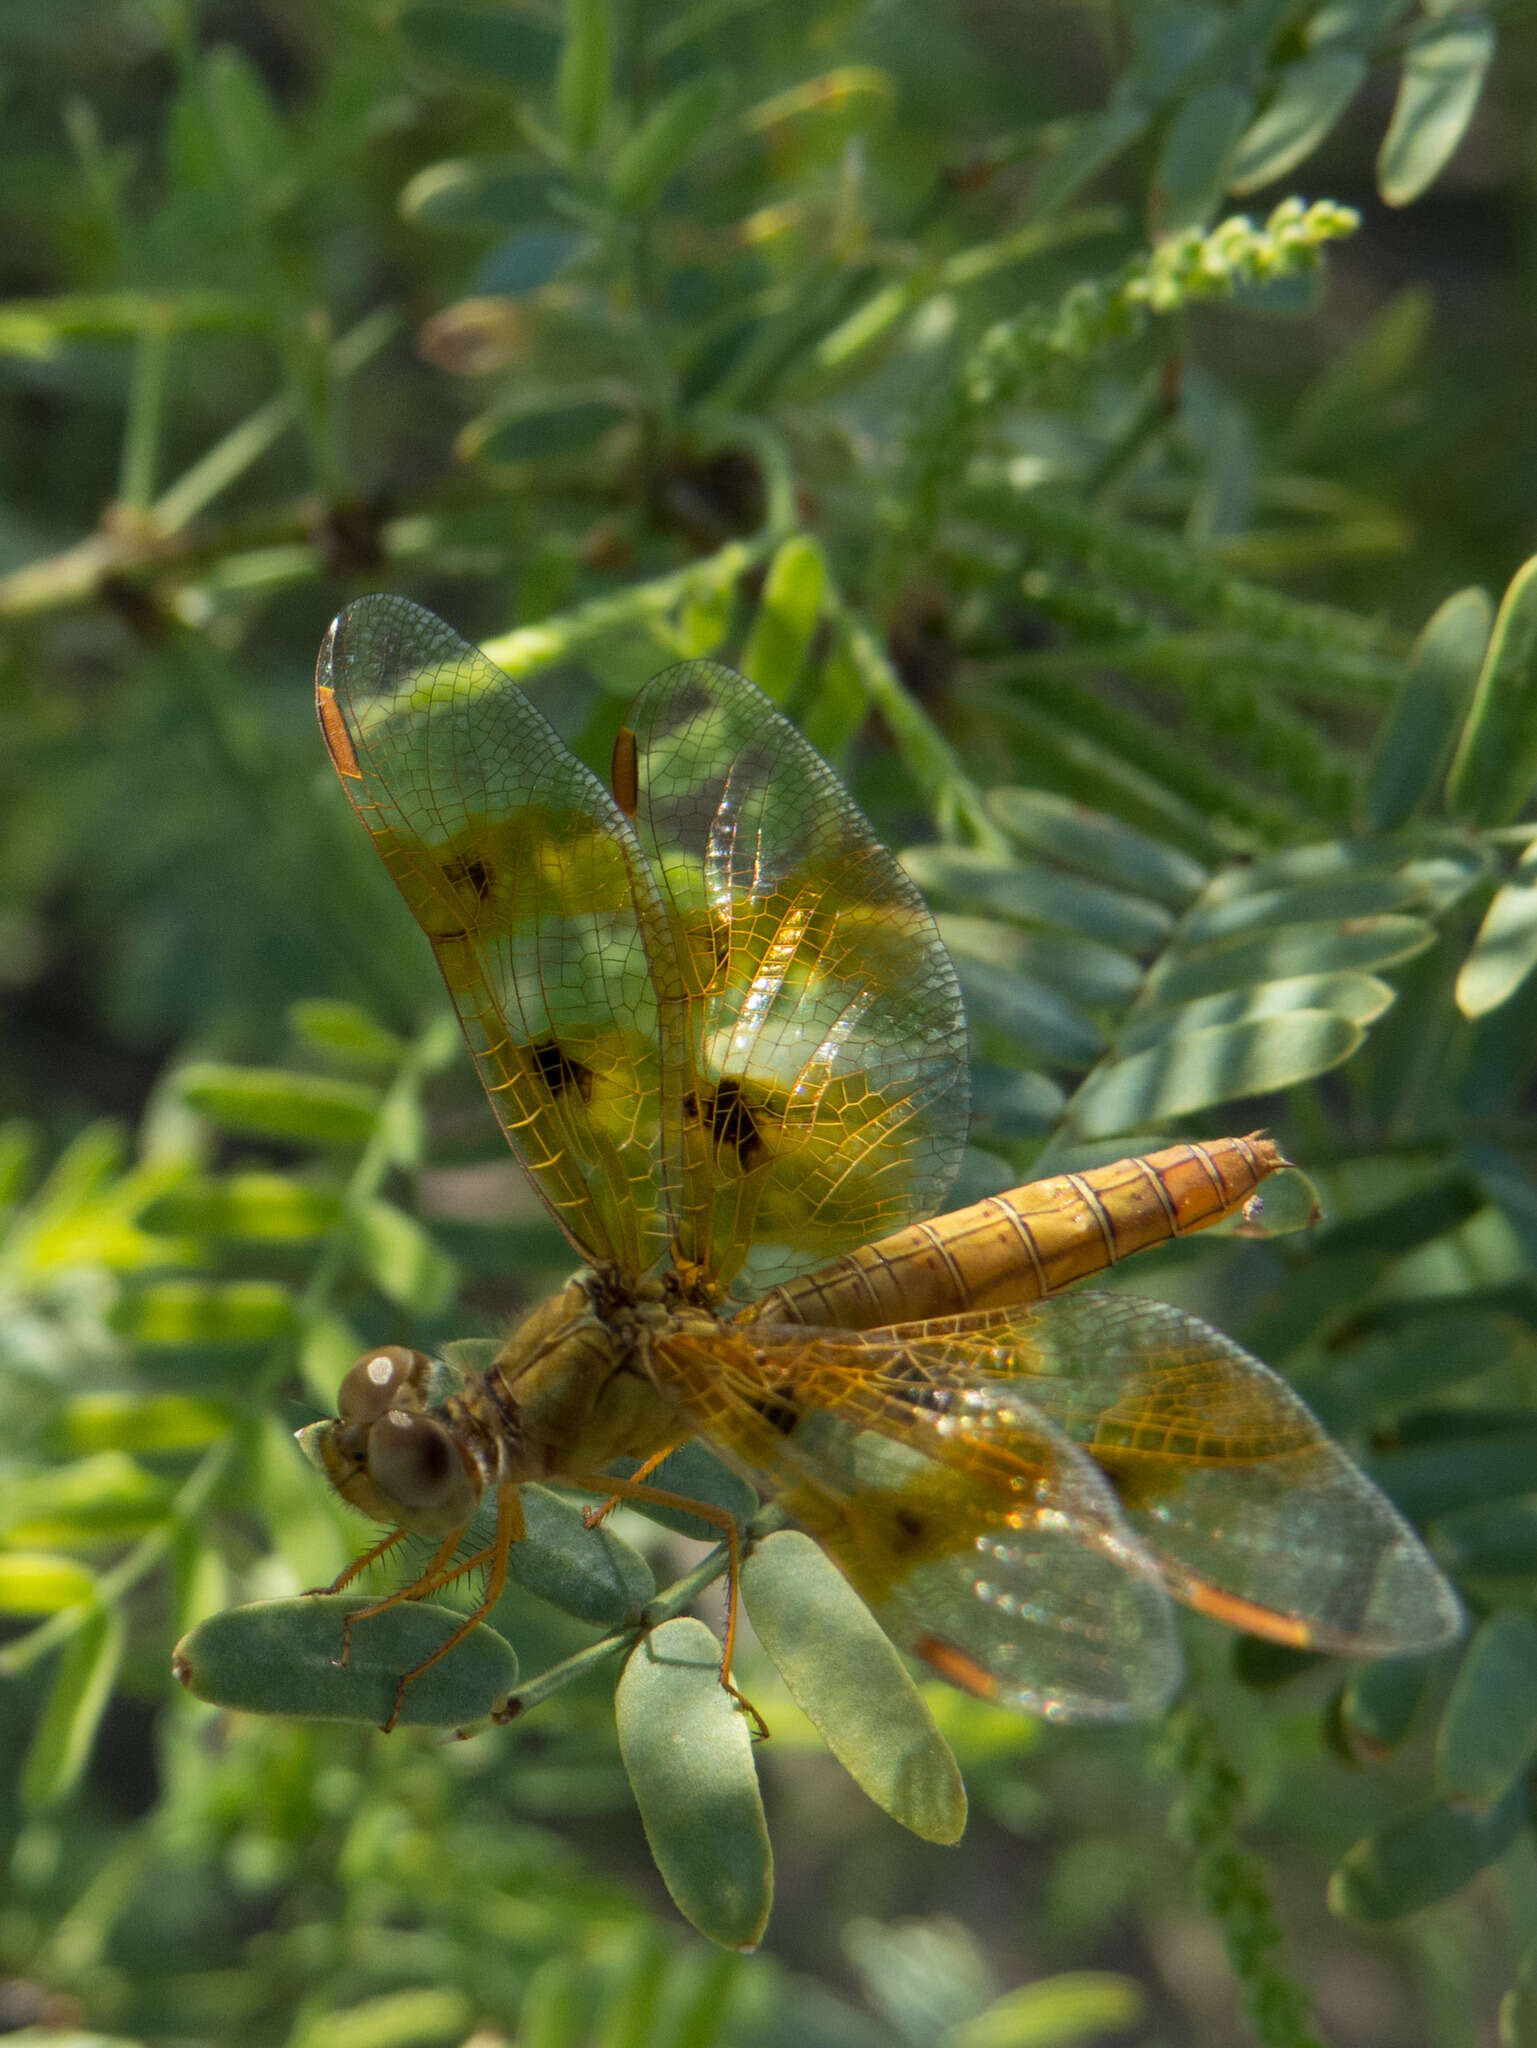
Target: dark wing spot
[558, 1071]
[780, 1410]
[473, 875]
[731, 1122]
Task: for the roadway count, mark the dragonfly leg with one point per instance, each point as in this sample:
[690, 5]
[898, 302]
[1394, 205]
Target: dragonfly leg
[359, 1564]
[509, 1530]
[655, 1496]
[416, 1590]
[591, 1517]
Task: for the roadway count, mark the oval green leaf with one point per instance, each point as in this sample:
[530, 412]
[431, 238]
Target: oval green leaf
[1421, 1857]
[266, 1102]
[1492, 772]
[1438, 90]
[1035, 894]
[279, 1657]
[172, 1314]
[1360, 997]
[1336, 899]
[1488, 1732]
[590, 1573]
[847, 1678]
[258, 1208]
[662, 145]
[345, 1033]
[1380, 1703]
[688, 1752]
[1417, 738]
[1325, 948]
[540, 433]
[1424, 1480]
[583, 82]
[1055, 2012]
[1505, 950]
[1220, 1063]
[695, 1473]
[1192, 171]
[405, 1263]
[1097, 844]
[1310, 97]
[1080, 970]
[1032, 1018]
[1491, 1539]
[782, 632]
[108, 1421]
[477, 195]
[33, 1582]
[486, 45]
[1008, 1103]
[62, 1742]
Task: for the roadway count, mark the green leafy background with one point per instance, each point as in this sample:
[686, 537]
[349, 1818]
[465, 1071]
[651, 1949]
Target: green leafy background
[1106, 428]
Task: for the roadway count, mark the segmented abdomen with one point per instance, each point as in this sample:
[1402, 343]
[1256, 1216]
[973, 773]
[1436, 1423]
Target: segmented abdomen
[1026, 1243]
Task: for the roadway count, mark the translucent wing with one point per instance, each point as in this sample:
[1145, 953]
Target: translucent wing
[526, 877]
[820, 1040]
[986, 1542]
[1253, 1514]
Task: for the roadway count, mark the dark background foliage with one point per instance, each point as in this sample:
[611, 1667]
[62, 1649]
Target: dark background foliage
[898, 352]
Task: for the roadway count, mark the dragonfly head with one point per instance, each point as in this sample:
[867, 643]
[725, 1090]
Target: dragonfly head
[388, 1454]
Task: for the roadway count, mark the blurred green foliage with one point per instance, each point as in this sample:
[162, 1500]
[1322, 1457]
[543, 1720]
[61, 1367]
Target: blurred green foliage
[1155, 577]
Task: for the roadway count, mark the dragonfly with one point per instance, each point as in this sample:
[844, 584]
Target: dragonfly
[721, 1033]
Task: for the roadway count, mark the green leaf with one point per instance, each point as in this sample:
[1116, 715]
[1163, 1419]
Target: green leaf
[279, 1657]
[688, 1752]
[1323, 948]
[1025, 1012]
[1398, 1368]
[775, 650]
[173, 1314]
[1380, 1703]
[32, 1582]
[1338, 899]
[1310, 97]
[1192, 170]
[1424, 1480]
[478, 195]
[591, 1573]
[662, 145]
[1034, 894]
[1505, 950]
[1488, 1732]
[694, 1473]
[267, 1102]
[1079, 970]
[423, 2017]
[1438, 90]
[1360, 997]
[62, 1742]
[1100, 846]
[1091, 143]
[404, 1261]
[1055, 2012]
[1421, 1857]
[260, 1208]
[488, 45]
[1219, 1063]
[103, 1498]
[846, 1677]
[345, 1033]
[539, 432]
[1418, 736]
[1518, 2008]
[583, 83]
[1492, 772]
[108, 1421]
[1009, 1104]
[1489, 1539]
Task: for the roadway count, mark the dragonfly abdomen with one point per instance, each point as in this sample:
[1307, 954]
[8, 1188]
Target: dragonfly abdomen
[1029, 1242]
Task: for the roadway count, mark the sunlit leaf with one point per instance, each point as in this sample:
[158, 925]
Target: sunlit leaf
[280, 1657]
[402, 1259]
[1100, 846]
[1496, 761]
[478, 195]
[1418, 736]
[1442, 78]
[1218, 1063]
[1193, 165]
[776, 648]
[266, 1102]
[1360, 997]
[845, 1676]
[62, 1742]
[688, 1752]
[32, 1582]
[591, 1573]
[1339, 899]
[109, 1421]
[662, 144]
[1078, 969]
[1026, 1012]
[1035, 894]
[1380, 1703]
[1056, 2012]
[1310, 96]
[178, 1313]
[583, 83]
[1325, 948]
[1505, 950]
[262, 1208]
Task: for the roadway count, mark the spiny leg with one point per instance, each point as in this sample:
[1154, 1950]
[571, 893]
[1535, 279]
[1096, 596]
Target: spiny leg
[509, 1530]
[654, 1496]
[358, 1565]
[418, 1588]
[591, 1517]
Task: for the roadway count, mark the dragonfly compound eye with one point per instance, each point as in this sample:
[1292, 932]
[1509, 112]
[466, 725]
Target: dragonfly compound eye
[391, 1377]
[418, 1468]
